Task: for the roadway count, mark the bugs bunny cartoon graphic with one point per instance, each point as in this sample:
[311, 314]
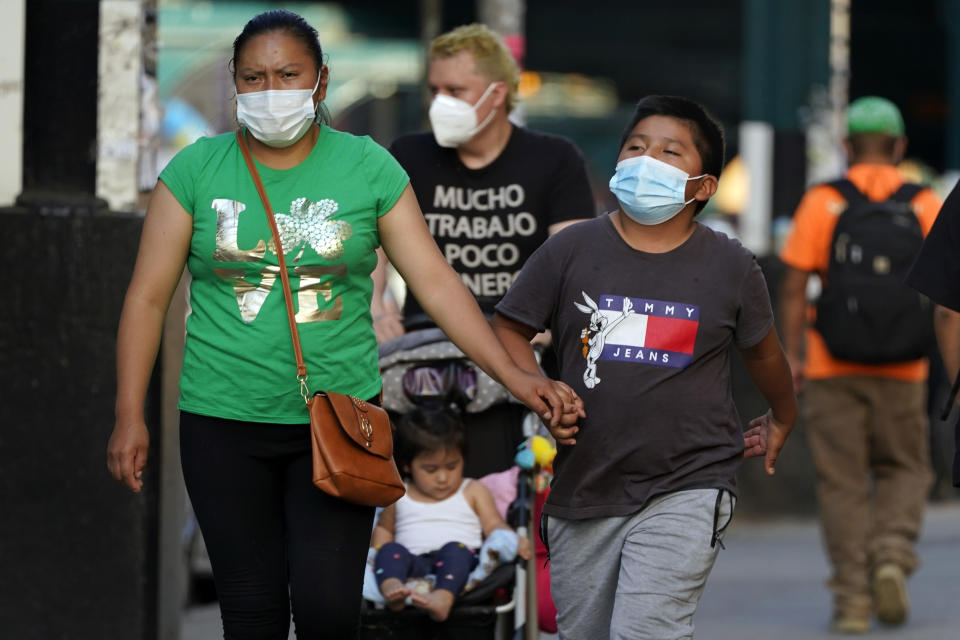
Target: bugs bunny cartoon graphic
[600, 326]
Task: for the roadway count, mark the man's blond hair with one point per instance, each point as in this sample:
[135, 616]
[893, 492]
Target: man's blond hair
[490, 54]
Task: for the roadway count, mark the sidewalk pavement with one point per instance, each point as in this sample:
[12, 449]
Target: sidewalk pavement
[769, 584]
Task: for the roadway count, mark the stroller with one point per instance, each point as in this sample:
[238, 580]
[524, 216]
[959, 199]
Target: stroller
[421, 368]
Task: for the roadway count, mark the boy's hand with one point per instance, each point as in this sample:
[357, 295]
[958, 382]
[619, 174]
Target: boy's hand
[573, 412]
[766, 437]
[572, 404]
[754, 442]
[524, 548]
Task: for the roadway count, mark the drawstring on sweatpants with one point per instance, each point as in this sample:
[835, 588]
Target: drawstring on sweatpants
[717, 532]
[543, 537]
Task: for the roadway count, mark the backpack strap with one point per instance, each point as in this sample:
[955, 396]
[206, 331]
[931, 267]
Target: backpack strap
[906, 193]
[849, 191]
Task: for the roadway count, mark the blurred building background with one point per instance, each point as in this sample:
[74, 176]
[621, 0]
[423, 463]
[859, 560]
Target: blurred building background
[97, 95]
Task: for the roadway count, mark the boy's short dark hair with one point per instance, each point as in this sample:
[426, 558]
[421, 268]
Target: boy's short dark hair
[428, 429]
[706, 131]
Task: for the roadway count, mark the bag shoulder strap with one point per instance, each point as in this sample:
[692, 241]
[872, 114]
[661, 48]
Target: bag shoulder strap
[907, 192]
[282, 261]
[849, 191]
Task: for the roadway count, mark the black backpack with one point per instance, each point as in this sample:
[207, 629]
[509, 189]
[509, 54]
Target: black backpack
[865, 312]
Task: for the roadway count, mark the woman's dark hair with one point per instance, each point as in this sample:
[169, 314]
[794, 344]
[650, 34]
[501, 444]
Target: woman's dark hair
[293, 25]
[706, 131]
[428, 429]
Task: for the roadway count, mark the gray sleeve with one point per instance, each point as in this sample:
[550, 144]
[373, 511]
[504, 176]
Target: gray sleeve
[755, 317]
[532, 297]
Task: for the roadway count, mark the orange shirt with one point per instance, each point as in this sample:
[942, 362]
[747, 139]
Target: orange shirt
[808, 249]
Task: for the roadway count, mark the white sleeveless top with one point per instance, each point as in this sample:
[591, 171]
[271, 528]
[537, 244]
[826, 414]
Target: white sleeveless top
[426, 526]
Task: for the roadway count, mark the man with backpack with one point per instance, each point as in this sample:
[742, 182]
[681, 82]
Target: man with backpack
[863, 372]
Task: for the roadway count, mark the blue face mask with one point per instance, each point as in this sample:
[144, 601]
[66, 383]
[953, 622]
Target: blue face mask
[650, 191]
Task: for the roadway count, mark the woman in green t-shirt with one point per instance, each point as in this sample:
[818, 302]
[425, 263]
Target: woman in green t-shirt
[272, 537]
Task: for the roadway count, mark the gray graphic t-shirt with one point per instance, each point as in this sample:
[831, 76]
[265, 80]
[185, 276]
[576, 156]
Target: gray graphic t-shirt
[645, 340]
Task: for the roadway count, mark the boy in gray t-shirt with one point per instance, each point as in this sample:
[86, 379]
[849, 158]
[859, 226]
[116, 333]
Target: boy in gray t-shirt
[643, 304]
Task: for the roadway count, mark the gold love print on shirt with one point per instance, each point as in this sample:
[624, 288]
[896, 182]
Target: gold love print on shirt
[308, 224]
[228, 223]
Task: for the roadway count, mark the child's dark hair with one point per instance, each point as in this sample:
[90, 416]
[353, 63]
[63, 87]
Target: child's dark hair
[706, 131]
[293, 25]
[428, 429]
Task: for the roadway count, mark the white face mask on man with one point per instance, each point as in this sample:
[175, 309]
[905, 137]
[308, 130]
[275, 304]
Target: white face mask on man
[277, 117]
[454, 121]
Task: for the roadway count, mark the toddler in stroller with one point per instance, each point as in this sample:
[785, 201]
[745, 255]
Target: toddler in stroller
[439, 525]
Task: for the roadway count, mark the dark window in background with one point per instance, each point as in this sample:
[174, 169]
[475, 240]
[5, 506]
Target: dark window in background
[684, 47]
[898, 51]
[401, 18]
[694, 48]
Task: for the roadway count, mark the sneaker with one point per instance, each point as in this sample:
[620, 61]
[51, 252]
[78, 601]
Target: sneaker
[890, 597]
[850, 623]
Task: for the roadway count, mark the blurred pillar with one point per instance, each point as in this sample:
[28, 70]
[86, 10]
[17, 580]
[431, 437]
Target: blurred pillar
[786, 57]
[78, 552]
[60, 106]
[756, 153]
[839, 56]
[508, 18]
[431, 19]
[12, 29]
[120, 70]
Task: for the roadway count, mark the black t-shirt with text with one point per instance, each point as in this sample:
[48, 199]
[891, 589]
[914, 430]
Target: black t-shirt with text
[488, 221]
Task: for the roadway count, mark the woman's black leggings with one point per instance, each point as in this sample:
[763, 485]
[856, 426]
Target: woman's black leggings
[273, 538]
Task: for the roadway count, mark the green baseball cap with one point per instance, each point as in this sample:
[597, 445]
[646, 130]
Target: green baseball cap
[873, 114]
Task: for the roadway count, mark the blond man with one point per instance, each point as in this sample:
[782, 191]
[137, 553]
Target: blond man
[491, 191]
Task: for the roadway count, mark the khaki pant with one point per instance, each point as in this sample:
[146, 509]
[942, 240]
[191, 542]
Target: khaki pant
[868, 437]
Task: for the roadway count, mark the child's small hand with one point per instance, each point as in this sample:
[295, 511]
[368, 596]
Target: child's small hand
[766, 437]
[524, 548]
[754, 442]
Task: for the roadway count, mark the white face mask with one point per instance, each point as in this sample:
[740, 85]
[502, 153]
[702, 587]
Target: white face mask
[454, 121]
[276, 117]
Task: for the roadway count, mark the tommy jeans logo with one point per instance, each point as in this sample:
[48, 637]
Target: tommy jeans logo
[637, 330]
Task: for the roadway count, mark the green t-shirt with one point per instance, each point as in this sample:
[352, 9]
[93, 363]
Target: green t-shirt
[238, 361]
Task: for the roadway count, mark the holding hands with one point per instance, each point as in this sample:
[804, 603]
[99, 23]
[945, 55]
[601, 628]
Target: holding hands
[555, 402]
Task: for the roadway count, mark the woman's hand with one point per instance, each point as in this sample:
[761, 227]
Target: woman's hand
[573, 412]
[555, 402]
[127, 453]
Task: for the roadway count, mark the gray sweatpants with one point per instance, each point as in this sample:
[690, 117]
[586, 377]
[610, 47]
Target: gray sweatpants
[640, 576]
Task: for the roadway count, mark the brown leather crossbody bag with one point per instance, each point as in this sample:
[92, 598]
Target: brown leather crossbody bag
[352, 439]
